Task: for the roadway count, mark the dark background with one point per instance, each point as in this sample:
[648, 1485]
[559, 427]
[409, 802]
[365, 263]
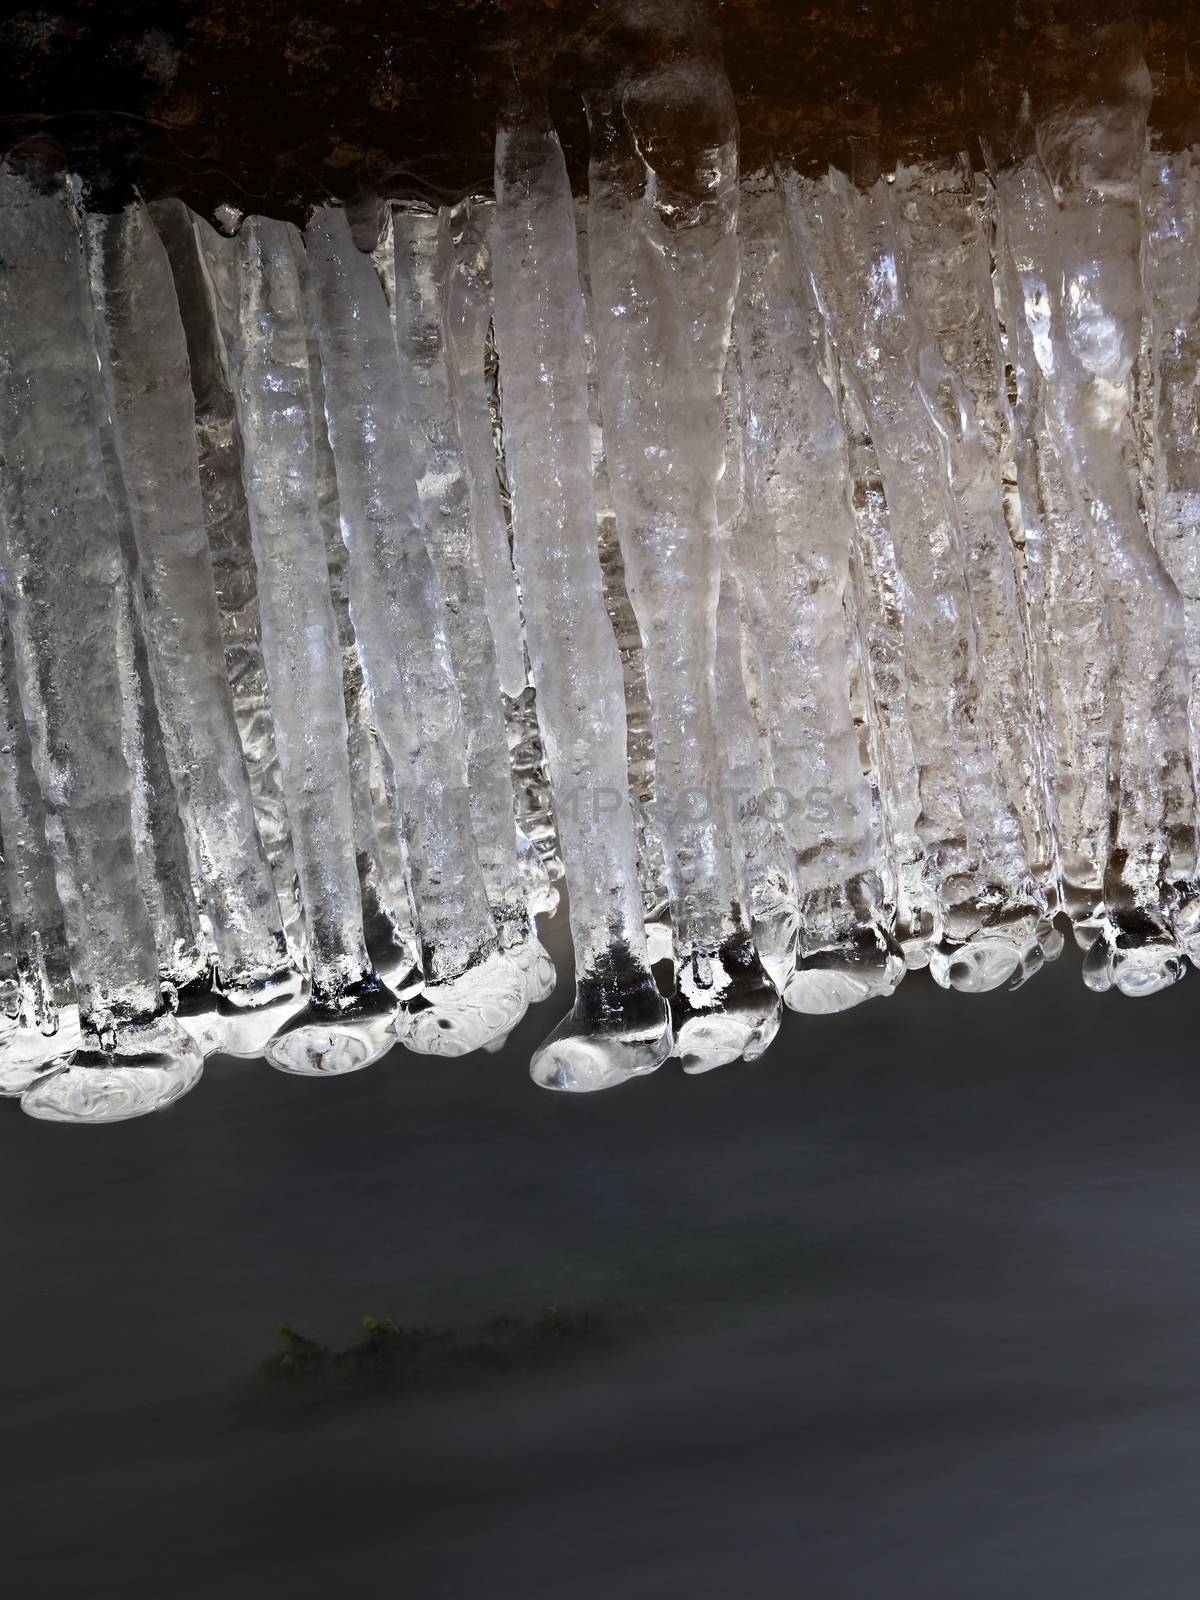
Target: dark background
[275, 105]
[908, 1309]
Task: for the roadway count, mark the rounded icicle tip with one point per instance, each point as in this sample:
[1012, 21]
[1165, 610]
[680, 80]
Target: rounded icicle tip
[151, 1065]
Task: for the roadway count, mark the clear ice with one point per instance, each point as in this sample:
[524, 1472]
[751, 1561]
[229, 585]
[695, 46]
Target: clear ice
[64, 577]
[802, 567]
[619, 1026]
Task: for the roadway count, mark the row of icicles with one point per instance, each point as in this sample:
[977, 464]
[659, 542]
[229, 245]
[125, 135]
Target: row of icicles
[813, 573]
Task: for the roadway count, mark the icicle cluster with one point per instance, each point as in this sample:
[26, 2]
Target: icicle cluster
[808, 573]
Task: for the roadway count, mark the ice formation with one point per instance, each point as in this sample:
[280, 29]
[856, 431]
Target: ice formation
[804, 570]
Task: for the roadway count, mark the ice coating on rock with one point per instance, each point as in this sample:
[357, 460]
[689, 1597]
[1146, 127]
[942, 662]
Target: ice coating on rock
[396, 605]
[423, 256]
[793, 546]
[63, 571]
[663, 257]
[155, 425]
[975, 849]
[619, 1026]
[347, 1023]
[468, 316]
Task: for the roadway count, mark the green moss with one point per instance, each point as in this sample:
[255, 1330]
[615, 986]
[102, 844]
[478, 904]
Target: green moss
[391, 1355]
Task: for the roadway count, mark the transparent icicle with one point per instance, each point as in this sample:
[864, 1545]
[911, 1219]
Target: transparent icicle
[947, 263]
[473, 992]
[63, 572]
[1171, 262]
[765, 880]
[619, 1026]
[45, 1011]
[639, 736]
[988, 901]
[877, 597]
[1087, 336]
[1068, 621]
[423, 252]
[468, 315]
[204, 263]
[387, 914]
[160, 848]
[768, 888]
[794, 549]
[664, 274]
[471, 347]
[347, 1022]
[146, 361]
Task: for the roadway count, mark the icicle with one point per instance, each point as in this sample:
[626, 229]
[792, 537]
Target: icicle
[474, 993]
[45, 999]
[1086, 337]
[204, 267]
[1171, 207]
[154, 418]
[765, 881]
[987, 899]
[619, 1026]
[877, 596]
[63, 568]
[387, 914]
[639, 737]
[468, 314]
[423, 257]
[347, 1022]
[947, 270]
[794, 545]
[664, 273]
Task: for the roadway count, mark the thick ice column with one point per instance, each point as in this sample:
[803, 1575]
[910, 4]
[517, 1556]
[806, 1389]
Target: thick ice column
[664, 273]
[765, 878]
[989, 903]
[347, 1022]
[1068, 620]
[793, 549]
[160, 848]
[43, 969]
[42, 1001]
[946, 262]
[619, 1024]
[63, 571]
[1090, 345]
[203, 263]
[397, 609]
[423, 257]
[154, 420]
[10, 989]
[877, 591]
[468, 316]
[639, 738]
[474, 388]
[1171, 263]
[387, 921]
